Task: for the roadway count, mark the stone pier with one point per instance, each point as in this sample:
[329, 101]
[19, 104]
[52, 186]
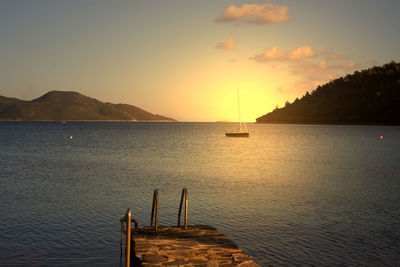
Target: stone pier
[199, 245]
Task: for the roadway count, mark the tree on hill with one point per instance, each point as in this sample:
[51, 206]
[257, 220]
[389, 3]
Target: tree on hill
[364, 97]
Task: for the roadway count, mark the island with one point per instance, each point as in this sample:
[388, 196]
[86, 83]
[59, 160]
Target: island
[71, 106]
[370, 96]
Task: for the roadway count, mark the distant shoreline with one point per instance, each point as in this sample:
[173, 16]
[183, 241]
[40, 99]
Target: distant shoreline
[333, 123]
[164, 121]
[91, 120]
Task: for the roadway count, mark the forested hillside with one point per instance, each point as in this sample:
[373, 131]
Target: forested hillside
[370, 96]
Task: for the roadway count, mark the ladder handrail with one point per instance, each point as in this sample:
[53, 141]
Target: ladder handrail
[127, 218]
[128, 232]
[154, 206]
[184, 194]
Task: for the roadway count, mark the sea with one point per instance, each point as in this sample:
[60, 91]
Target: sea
[288, 195]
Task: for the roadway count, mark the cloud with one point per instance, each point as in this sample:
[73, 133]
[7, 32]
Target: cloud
[255, 14]
[273, 53]
[314, 73]
[313, 70]
[331, 55]
[298, 86]
[227, 45]
[307, 67]
[351, 65]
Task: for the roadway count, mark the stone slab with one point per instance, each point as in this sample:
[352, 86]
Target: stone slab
[199, 245]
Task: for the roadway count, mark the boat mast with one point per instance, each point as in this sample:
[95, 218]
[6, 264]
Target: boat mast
[240, 121]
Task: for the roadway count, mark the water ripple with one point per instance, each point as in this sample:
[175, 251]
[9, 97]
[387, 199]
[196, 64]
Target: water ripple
[288, 195]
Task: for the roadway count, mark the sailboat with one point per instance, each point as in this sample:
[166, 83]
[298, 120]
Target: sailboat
[242, 131]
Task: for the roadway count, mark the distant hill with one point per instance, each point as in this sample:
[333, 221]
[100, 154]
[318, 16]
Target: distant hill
[370, 96]
[60, 105]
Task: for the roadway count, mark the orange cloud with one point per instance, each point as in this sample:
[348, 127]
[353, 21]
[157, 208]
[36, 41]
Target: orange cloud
[255, 14]
[309, 68]
[299, 86]
[349, 65]
[331, 55]
[273, 53]
[311, 74]
[227, 45]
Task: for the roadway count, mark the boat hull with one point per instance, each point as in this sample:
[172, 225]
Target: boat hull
[237, 134]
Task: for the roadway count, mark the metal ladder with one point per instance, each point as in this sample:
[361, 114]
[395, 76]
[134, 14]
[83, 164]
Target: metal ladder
[127, 219]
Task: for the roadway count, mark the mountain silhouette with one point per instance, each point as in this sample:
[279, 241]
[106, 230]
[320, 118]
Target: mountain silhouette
[62, 105]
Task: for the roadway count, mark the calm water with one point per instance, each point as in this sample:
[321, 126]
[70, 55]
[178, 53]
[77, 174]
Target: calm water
[289, 194]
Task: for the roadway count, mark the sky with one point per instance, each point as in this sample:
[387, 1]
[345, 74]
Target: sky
[187, 58]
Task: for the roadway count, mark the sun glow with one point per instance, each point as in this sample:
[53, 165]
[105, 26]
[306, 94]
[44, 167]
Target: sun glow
[208, 90]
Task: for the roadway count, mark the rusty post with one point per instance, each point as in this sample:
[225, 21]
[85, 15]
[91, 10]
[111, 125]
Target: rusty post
[180, 207]
[154, 208]
[184, 195]
[156, 218]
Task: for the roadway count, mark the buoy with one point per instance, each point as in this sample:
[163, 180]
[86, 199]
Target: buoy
[70, 137]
